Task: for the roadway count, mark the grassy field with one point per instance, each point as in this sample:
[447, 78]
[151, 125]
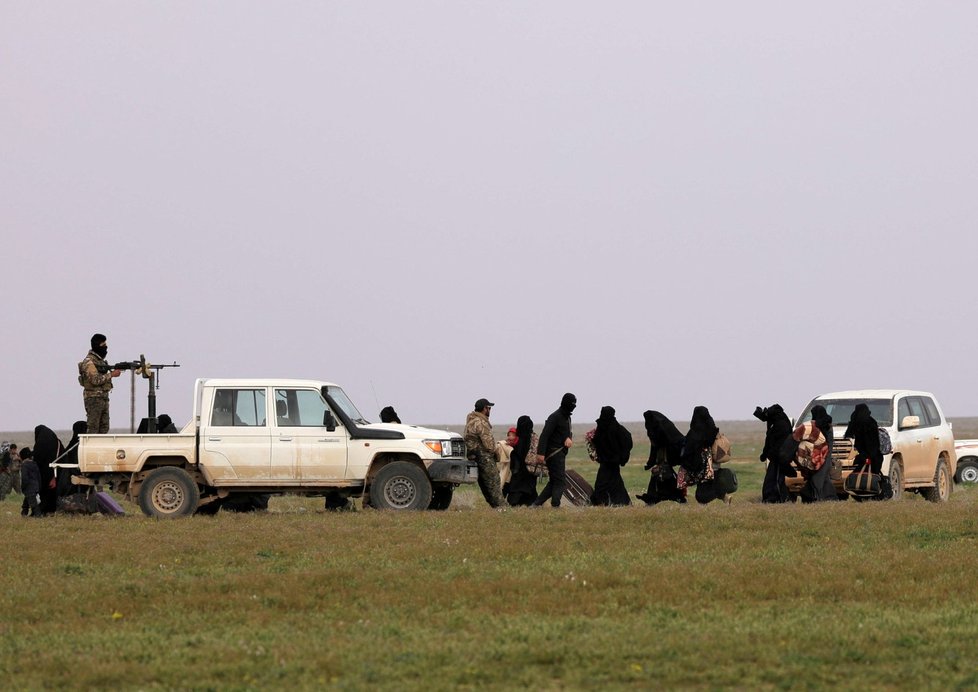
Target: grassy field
[879, 595]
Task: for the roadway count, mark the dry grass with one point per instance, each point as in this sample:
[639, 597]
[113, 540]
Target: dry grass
[747, 595]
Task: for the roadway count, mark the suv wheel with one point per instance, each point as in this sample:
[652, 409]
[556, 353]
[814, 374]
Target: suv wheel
[942, 484]
[896, 479]
[400, 485]
[967, 471]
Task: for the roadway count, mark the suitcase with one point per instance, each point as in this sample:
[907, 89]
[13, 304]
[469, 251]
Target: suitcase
[107, 505]
[578, 491]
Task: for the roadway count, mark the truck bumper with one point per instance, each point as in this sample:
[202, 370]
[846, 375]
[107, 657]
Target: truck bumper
[452, 471]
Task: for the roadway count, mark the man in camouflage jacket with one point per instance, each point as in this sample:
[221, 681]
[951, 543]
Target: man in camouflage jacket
[97, 385]
[482, 448]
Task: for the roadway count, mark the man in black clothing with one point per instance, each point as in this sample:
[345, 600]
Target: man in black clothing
[555, 441]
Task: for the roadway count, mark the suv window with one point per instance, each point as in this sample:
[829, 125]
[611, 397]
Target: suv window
[932, 413]
[841, 410]
[299, 408]
[239, 407]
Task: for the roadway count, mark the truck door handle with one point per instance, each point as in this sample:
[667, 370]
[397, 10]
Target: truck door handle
[213, 439]
[285, 439]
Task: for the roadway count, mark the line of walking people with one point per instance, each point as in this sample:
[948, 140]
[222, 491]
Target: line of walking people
[676, 461]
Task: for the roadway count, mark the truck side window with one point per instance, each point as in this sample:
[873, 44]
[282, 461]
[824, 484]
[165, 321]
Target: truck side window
[239, 407]
[903, 410]
[931, 416]
[299, 408]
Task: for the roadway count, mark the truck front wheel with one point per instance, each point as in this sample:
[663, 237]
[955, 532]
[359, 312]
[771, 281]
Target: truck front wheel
[400, 485]
[168, 492]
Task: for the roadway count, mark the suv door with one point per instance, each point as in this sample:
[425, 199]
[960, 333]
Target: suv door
[235, 445]
[916, 444]
[302, 448]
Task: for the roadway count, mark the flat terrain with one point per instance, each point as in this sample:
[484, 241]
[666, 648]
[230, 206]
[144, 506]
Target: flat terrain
[879, 595]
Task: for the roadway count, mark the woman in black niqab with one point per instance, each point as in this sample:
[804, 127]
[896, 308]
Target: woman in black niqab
[774, 489]
[666, 448]
[523, 482]
[864, 432]
[701, 436]
[820, 486]
[612, 445]
[47, 448]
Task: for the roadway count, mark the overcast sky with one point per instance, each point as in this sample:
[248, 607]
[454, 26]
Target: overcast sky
[653, 205]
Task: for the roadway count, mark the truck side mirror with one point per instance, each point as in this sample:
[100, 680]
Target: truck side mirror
[329, 421]
[910, 422]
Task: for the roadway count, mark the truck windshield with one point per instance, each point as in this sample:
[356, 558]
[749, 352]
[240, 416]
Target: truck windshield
[340, 398]
[841, 410]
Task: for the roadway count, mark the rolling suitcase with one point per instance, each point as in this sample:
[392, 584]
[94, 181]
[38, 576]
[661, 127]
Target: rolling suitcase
[107, 505]
[578, 490]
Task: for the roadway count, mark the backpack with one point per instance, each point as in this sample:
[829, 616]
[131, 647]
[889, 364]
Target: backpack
[886, 446]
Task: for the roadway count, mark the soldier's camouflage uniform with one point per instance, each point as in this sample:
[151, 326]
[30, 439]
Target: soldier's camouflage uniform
[97, 387]
[482, 448]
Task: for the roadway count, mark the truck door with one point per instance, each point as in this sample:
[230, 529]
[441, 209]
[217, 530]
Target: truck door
[236, 443]
[911, 440]
[303, 449]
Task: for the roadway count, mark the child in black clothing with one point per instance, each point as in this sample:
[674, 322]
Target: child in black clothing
[30, 481]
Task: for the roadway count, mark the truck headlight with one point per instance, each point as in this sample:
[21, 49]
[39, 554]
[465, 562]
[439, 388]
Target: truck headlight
[440, 447]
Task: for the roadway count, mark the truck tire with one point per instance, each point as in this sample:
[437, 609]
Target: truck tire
[168, 492]
[967, 470]
[942, 484]
[400, 485]
[441, 497]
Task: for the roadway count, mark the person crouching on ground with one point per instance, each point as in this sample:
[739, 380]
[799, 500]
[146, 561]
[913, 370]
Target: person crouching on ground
[613, 445]
[482, 449]
[555, 441]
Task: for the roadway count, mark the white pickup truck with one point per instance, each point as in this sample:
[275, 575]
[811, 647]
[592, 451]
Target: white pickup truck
[967, 451]
[250, 437]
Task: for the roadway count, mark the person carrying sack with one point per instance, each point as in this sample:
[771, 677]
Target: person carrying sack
[864, 432]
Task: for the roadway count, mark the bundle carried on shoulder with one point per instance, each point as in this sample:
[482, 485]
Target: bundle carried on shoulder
[812, 447]
[722, 450]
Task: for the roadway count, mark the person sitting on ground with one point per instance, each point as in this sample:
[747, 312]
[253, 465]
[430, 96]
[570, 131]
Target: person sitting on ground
[612, 445]
[30, 480]
[666, 447]
[522, 488]
[774, 489]
[64, 486]
[389, 415]
[864, 432]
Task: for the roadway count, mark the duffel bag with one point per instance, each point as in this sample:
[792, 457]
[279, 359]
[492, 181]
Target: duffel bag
[863, 483]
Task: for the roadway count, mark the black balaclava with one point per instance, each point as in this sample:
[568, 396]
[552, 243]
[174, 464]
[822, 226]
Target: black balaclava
[97, 347]
[568, 403]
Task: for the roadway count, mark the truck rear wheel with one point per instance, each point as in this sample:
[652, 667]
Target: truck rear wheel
[400, 485]
[168, 492]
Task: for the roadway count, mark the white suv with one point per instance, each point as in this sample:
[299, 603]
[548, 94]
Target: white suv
[923, 458]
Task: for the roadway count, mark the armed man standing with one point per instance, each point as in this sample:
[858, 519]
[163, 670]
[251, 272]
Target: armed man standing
[482, 448]
[97, 384]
